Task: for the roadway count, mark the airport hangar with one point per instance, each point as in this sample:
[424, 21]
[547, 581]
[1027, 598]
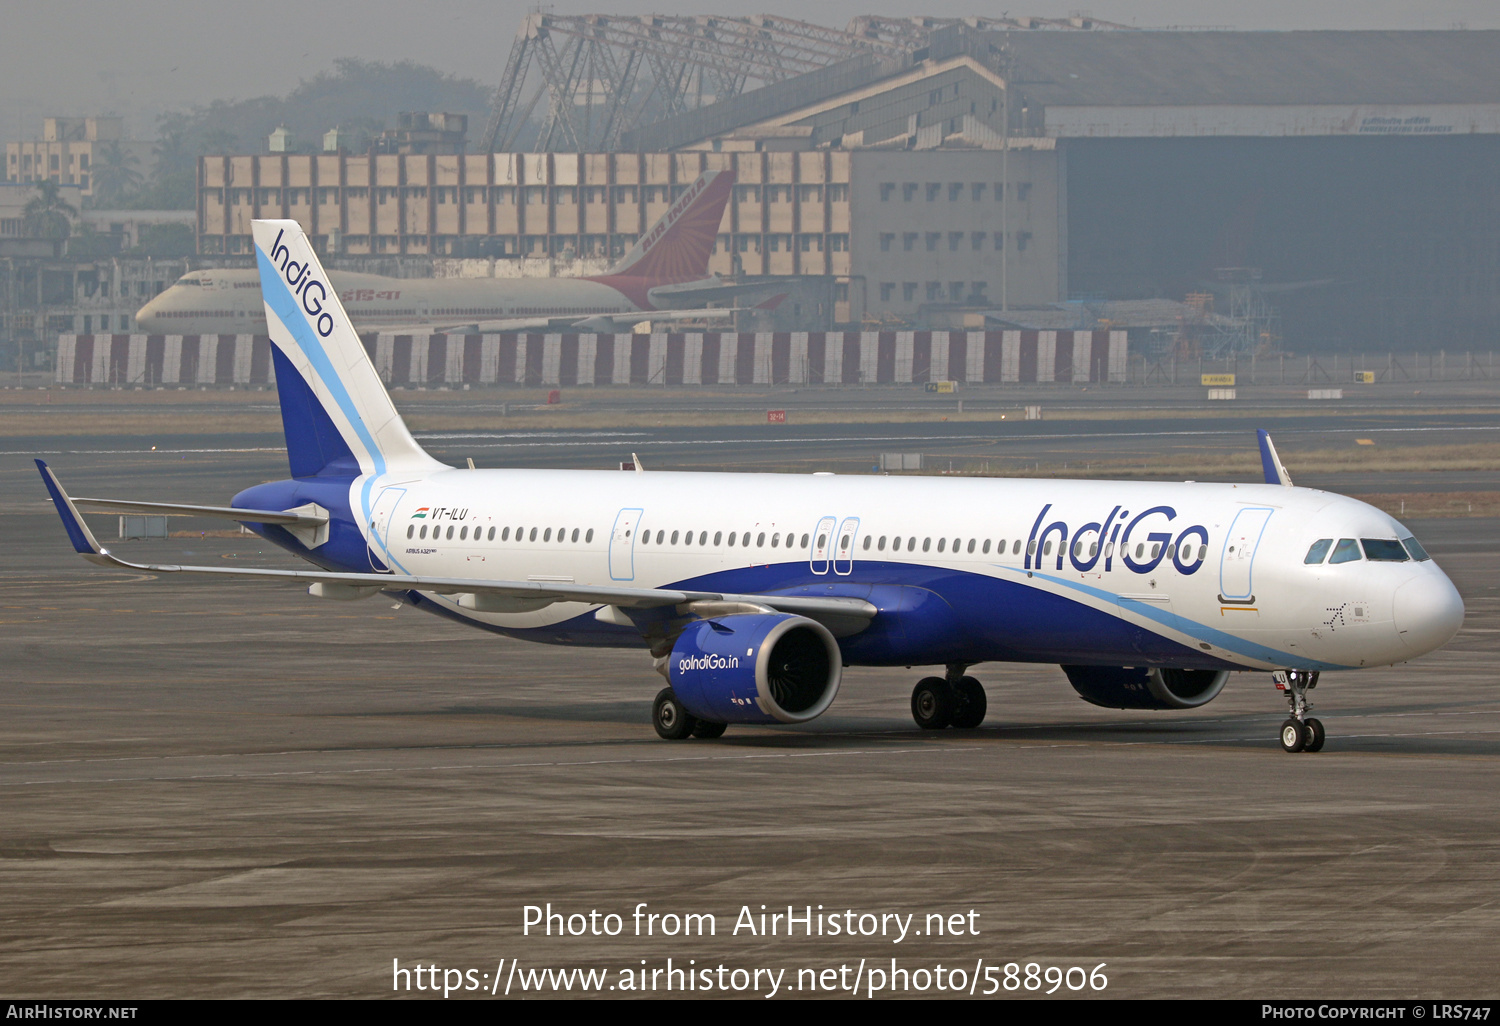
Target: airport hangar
[1353, 170]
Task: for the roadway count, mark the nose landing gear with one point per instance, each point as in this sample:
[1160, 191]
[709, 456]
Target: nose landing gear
[1300, 732]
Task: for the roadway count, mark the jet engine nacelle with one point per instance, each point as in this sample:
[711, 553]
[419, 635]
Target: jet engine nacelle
[1146, 687]
[756, 668]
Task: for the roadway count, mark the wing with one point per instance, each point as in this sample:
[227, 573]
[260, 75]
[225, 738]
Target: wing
[481, 595]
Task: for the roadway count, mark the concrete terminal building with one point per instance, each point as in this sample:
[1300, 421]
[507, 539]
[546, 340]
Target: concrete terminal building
[1354, 171]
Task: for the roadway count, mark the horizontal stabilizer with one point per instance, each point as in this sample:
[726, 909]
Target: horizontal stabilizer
[245, 516]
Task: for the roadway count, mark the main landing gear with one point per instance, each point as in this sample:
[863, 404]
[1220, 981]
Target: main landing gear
[673, 722]
[952, 701]
[1301, 732]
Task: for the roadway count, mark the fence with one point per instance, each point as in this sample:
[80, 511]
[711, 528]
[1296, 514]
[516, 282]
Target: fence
[1328, 368]
[709, 358]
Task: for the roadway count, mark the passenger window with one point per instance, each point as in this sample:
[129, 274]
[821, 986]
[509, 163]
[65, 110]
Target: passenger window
[1140, 550]
[661, 536]
[822, 540]
[731, 539]
[1016, 548]
[1318, 550]
[804, 540]
[1030, 547]
[674, 536]
[881, 544]
[986, 549]
[702, 537]
[450, 532]
[1156, 550]
[718, 538]
[896, 543]
[775, 538]
[760, 540]
[868, 539]
[687, 539]
[1384, 550]
[1415, 548]
[971, 545]
[1347, 551]
[411, 529]
[424, 531]
[463, 534]
[532, 536]
[575, 534]
[491, 535]
[926, 544]
[1047, 549]
[1171, 551]
[590, 536]
[844, 545]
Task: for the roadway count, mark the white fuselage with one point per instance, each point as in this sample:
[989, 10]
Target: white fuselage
[229, 302]
[1217, 569]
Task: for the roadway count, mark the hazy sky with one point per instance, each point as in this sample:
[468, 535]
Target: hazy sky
[141, 57]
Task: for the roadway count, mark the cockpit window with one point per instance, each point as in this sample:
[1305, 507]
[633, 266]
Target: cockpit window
[1318, 551]
[1415, 548]
[1386, 550]
[1347, 551]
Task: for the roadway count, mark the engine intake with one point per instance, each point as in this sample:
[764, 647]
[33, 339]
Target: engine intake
[756, 668]
[1146, 687]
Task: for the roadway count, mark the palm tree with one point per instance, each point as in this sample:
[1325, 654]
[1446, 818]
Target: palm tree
[47, 215]
[113, 174]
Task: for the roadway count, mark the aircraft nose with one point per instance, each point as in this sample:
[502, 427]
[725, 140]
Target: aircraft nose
[145, 317]
[1428, 611]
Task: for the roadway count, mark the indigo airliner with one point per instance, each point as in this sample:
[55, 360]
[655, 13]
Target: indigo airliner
[752, 592]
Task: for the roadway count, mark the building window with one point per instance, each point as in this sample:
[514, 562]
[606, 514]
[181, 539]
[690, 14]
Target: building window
[1022, 238]
[838, 243]
[887, 290]
[934, 189]
[976, 240]
[505, 194]
[887, 189]
[812, 243]
[1023, 190]
[909, 191]
[887, 239]
[977, 191]
[955, 239]
[909, 241]
[999, 241]
[933, 238]
[955, 191]
[839, 192]
[627, 194]
[909, 291]
[976, 291]
[840, 295]
[956, 291]
[934, 290]
[810, 193]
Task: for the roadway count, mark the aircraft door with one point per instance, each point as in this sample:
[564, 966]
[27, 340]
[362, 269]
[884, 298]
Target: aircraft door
[379, 528]
[1236, 583]
[843, 558]
[822, 541]
[622, 545]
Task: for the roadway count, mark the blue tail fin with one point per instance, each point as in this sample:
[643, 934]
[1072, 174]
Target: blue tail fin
[313, 444]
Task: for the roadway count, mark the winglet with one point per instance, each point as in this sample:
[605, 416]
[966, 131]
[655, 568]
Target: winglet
[1270, 462]
[78, 532]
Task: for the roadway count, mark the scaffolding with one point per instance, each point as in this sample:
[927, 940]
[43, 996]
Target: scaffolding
[595, 76]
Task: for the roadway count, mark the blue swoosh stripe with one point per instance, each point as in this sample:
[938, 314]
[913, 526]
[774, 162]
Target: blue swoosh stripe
[1192, 628]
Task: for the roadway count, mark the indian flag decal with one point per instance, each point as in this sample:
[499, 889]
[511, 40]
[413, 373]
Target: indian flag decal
[421, 514]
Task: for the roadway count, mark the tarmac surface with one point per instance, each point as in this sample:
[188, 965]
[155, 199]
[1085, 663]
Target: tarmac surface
[229, 789]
